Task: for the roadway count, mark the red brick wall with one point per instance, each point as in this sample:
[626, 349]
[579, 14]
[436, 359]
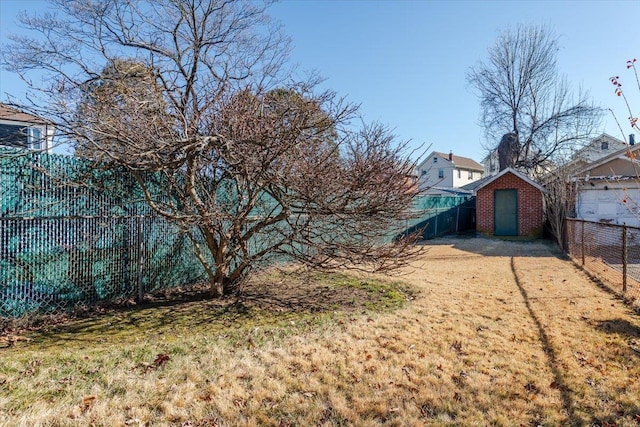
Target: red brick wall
[530, 206]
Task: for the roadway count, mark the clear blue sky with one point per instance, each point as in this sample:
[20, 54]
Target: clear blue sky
[405, 61]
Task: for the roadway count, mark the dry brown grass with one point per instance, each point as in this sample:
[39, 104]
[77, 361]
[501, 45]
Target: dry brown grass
[612, 277]
[499, 333]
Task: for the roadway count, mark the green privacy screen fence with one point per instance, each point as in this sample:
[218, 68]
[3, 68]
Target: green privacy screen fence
[440, 215]
[72, 234]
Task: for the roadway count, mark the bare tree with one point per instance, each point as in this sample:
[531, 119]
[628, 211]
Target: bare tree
[633, 117]
[561, 191]
[522, 92]
[194, 99]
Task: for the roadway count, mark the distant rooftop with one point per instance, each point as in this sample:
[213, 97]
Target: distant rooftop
[462, 162]
[15, 115]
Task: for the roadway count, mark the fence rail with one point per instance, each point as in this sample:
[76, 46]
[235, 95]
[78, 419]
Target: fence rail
[610, 252]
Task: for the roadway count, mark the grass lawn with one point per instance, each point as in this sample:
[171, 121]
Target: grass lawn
[477, 332]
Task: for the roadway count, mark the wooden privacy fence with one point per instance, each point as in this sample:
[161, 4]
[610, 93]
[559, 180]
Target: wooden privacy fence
[610, 252]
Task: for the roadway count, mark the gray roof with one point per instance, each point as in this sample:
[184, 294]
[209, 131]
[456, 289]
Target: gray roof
[472, 186]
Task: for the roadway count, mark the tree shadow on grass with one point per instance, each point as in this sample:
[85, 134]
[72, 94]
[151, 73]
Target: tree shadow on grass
[499, 247]
[621, 327]
[616, 326]
[264, 301]
[552, 359]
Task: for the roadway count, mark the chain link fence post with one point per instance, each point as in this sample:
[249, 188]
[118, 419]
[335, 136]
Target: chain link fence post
[582, 241]
[140, 246]
[624, 259]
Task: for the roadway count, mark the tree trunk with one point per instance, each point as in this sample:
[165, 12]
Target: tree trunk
[222, 286]
[217, 284]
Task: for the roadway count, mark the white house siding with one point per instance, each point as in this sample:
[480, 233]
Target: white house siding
[25, 130]
[617, 204]
[450, 180]
[428, 171]
[491, 164]
[599, 148]
[465, 178]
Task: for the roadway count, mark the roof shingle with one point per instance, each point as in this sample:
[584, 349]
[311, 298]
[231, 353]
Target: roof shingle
[15, 115]
[462, 162]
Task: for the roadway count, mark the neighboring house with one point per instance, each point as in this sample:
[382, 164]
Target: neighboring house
[510, 204]
[22, 130]
[599, 147]
[608, 190]
[491, 165]
[445, 173]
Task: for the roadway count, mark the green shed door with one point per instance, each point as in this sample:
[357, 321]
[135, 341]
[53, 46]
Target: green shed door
[505, 210]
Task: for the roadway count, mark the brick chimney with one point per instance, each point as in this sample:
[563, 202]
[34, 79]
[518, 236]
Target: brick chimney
[451, 156]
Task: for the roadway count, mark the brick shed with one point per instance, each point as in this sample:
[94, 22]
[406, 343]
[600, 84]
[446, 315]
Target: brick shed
[510, 204]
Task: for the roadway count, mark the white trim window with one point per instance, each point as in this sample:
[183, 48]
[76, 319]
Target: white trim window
[34, 138]
[21, 136]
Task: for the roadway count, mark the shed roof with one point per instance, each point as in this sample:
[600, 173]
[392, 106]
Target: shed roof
[514, 172]
[473, 186]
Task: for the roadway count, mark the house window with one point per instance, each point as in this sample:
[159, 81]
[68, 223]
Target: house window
[20, 136]
[14, 136]
[440, 173]
[423, 172]
[435, 160]
[604, 145]
[459, 173]
[34, 138]
[470, 175]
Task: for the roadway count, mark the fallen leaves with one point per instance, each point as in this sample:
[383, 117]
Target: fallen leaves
[159, 361]
[456, 347]
[11, 339]
[87, 402]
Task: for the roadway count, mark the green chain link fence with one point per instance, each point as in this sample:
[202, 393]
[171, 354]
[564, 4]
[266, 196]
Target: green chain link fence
[439, 215]
[71, 234]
